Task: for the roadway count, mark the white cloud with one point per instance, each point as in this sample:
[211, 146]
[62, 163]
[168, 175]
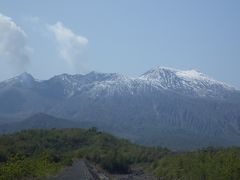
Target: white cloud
[13, 48]
[71, 46]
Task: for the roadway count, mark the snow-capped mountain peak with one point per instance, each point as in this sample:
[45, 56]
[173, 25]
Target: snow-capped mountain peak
[166, 73]
[25, 79]
[159, 72]
[187, 81]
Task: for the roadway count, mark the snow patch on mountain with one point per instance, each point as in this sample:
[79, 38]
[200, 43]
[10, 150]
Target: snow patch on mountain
[189, 82]
[24, 80]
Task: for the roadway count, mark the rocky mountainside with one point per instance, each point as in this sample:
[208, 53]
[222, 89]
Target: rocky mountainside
[164, 106]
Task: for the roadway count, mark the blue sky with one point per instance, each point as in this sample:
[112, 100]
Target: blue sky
[128, 37]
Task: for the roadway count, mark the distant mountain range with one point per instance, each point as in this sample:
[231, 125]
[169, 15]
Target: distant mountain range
[164, 106]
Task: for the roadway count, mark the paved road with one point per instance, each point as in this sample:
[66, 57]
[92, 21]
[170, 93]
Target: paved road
[78, 171]
[83, 171]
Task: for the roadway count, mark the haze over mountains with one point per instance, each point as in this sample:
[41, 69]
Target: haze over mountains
[164, 106]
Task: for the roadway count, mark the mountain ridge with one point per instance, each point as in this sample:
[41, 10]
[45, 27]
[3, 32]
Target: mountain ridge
[160, 78]
[160, 107]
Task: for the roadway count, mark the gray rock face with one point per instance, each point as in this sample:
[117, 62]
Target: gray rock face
[167, 107]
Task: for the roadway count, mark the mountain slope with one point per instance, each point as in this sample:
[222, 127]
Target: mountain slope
[164, 106]
[38, 121]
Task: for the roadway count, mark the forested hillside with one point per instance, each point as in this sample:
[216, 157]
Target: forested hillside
[212, 164]
[43, 153]
[39, 153]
